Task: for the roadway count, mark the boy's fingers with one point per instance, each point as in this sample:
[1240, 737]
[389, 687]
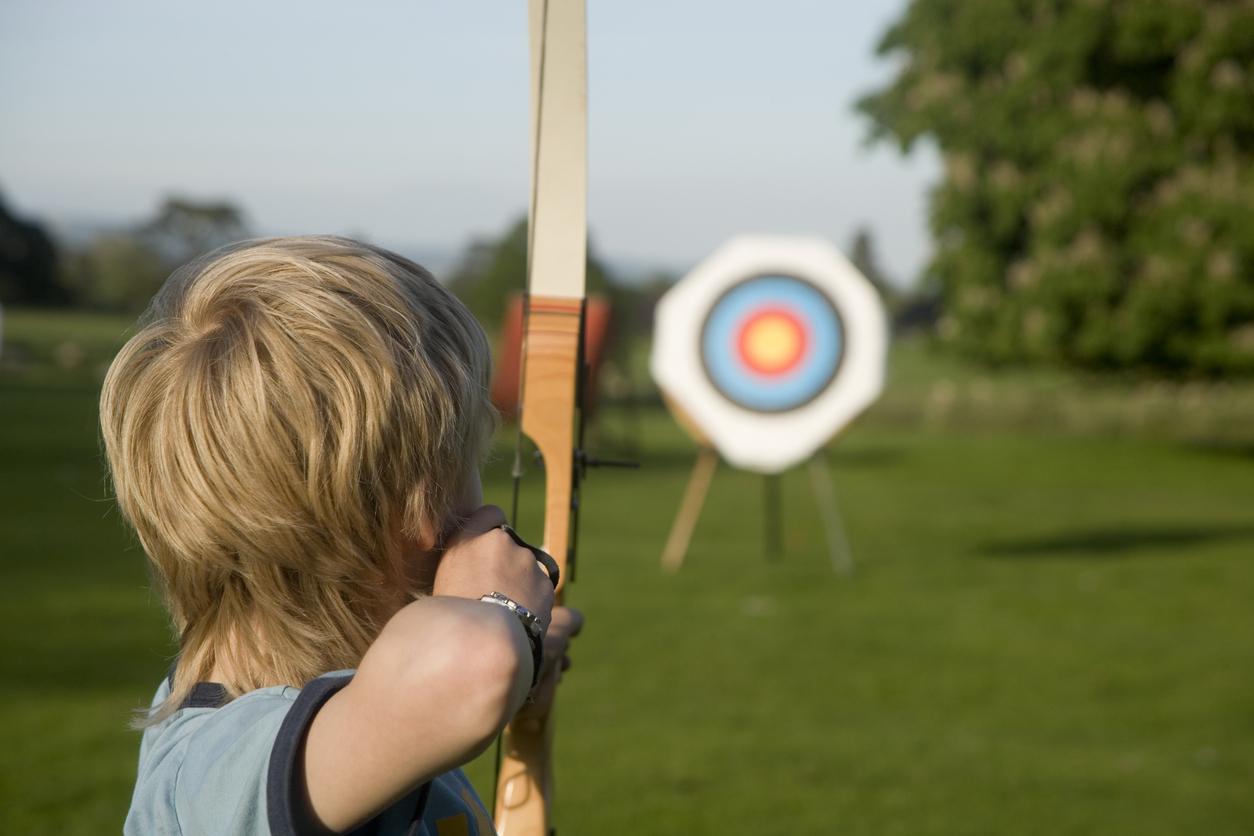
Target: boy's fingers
[567, 621]
[556, 661]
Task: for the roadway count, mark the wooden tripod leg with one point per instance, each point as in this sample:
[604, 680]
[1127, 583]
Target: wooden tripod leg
[689, 510]
[825, 498]
[772, 518]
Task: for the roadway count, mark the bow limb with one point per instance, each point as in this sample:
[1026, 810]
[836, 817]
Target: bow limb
[551, 355]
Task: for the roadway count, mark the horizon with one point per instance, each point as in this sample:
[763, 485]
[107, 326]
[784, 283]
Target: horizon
[707, 121]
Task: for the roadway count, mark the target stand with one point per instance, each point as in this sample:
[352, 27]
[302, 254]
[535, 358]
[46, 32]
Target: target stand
[822, 488]
[764, 352]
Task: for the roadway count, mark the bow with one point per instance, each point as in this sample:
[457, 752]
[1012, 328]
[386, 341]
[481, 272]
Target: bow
[552, 353]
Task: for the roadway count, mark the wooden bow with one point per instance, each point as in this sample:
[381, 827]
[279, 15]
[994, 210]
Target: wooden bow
[552, 352]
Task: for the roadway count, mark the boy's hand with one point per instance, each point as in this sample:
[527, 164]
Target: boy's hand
[482, 558]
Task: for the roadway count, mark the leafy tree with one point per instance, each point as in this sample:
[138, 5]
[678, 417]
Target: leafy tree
[28, 264]
[1098, 192]
[183, 229]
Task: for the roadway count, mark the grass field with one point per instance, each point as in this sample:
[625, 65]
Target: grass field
[1049, 632]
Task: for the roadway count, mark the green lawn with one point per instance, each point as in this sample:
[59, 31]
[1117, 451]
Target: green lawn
[1049, 631]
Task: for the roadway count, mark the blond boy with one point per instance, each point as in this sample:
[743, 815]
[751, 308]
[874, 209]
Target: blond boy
[295, 434]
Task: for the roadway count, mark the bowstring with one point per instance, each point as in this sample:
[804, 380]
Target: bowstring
[516, 470]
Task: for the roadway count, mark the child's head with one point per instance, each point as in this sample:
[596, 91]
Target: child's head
[289, 412]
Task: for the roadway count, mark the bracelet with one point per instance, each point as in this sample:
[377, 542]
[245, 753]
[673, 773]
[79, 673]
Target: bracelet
[532, 626]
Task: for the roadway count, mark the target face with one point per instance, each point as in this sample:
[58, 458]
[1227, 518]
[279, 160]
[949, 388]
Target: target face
[769, 348]
[772, 343]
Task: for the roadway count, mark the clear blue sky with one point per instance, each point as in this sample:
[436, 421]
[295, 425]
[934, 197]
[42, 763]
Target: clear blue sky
[406, 121]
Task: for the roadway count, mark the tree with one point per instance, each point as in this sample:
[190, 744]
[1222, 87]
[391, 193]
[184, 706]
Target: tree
[28, 264]
[183, 229]
[1098, 189]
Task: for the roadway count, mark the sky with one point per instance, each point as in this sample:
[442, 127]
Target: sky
[406, 122]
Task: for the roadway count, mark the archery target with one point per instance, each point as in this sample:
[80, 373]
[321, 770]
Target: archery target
[772, 343]
[769, 348]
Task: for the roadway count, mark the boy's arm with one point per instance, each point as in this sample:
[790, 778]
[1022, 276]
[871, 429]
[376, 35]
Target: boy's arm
[433, 691]
[445, 675]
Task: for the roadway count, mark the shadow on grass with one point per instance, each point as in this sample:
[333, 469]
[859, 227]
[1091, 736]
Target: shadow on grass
[1116, 542]
[1226, 449]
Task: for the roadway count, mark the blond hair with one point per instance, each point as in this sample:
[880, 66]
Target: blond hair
[285, 409]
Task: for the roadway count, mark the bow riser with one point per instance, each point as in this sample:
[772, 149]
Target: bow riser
[549, 413]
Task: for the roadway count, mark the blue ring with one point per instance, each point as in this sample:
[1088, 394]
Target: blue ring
[825, 346]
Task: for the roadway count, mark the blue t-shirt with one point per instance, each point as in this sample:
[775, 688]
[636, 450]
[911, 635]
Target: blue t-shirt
[220, 767]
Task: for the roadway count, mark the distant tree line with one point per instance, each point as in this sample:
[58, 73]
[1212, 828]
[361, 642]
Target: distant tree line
[1097, 203]
[117, 270]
